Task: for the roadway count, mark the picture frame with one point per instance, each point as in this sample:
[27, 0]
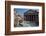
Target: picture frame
[8, 17]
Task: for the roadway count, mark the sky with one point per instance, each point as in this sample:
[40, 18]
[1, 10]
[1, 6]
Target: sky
[21, 11]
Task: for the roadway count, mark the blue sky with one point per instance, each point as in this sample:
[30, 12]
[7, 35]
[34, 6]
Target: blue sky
[21, 11]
